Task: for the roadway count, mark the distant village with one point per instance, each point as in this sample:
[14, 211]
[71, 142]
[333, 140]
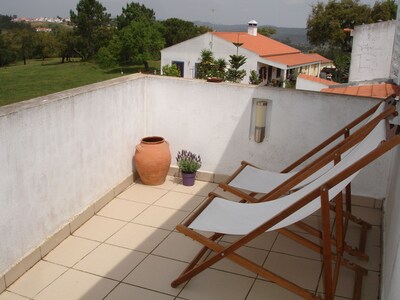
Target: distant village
[41, 19]
[57, 20]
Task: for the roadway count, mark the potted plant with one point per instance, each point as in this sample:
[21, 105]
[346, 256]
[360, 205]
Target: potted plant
[188, 164]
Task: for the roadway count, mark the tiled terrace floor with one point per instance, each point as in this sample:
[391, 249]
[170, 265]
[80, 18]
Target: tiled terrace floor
[129, 250]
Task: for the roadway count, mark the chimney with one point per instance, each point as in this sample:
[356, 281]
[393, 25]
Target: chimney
[252, 28]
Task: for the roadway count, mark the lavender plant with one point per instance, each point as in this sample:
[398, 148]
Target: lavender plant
[188, 162]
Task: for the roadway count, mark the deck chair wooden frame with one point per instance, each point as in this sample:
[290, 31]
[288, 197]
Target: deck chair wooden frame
[321, 192]
[283, 187]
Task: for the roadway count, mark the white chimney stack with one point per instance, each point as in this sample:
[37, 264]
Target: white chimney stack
[252, 28]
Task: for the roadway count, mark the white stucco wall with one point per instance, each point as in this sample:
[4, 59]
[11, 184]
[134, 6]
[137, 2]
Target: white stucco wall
[213, 119]
[395, 71]
[59, 153]
[391, 237]
[308, 85]
[371, 56]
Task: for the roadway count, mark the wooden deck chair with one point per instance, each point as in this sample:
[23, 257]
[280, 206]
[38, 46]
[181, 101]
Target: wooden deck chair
[221, 216]
[250, 178]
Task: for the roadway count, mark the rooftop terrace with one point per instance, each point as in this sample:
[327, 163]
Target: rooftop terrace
[130, 250]
[72, 216]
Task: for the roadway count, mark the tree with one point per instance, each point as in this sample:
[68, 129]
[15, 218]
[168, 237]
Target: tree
[254, 78]
[385, 10]
[234, 74]
[7, 56]
[177, 30]
[137, 43]
[267, 30]
[135, 12]
[91, 24]
[67, 43]
[21, 41]
[326, 22]
[105, 59]
[45, 45]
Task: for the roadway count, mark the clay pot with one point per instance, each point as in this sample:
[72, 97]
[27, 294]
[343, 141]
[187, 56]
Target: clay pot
[152, 160]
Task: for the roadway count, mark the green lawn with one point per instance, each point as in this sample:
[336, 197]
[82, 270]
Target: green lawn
[38, 78]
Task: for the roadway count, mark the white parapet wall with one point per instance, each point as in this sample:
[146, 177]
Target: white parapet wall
[60, 153]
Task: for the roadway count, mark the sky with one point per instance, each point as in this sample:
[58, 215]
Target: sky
[281, 13]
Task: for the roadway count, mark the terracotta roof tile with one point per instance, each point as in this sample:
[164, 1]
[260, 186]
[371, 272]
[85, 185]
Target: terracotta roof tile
[319, 57]
[380, 91]
[295, 59]
[317, 79]
[259, 44]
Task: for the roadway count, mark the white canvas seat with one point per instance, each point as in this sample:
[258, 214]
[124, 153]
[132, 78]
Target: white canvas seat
[236, 218]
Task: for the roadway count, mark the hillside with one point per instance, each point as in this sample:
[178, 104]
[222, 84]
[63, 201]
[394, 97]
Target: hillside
[296, 36]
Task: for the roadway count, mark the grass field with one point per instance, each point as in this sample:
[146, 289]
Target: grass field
[38, 78]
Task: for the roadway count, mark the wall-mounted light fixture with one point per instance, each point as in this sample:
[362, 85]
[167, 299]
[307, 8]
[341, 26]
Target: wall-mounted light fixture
[260, 122]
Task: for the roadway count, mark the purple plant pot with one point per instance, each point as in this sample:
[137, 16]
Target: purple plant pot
[188, 178]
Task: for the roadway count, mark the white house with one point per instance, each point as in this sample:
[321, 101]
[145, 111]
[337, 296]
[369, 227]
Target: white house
[312, 83]
[271, 59]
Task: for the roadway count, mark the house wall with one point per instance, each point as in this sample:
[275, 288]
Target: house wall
[62, 152]
[190, 53]
[308, 85]
[371, 56]
[390, 289]
[395, 71]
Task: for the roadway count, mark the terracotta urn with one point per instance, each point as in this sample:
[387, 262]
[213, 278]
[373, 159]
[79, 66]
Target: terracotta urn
[152, 160]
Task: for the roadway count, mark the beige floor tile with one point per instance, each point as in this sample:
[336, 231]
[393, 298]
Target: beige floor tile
[374, 261]
[156, 273]
[142, 193]
[353, 236]
[270, 291]
[121, 209]
[255, 255]
[99, 228]
[179, 247]
[370, 285]
[170, 183]
[161, 217]
[110, 261]
[71, 250]
[286, 245]
[74, 285]
[200, 188]
[11, 296]
[264, 241]
[37, 278]
[215, 285]
[138, 237]
[128, 292]
[302, 271]
[370, 215]
[2, 284]
[181, 201]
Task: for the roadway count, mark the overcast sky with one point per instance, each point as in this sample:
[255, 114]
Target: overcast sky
[283, 13]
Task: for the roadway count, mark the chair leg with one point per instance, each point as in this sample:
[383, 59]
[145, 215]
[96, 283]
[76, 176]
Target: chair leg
[326, 241]
[195, 268]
